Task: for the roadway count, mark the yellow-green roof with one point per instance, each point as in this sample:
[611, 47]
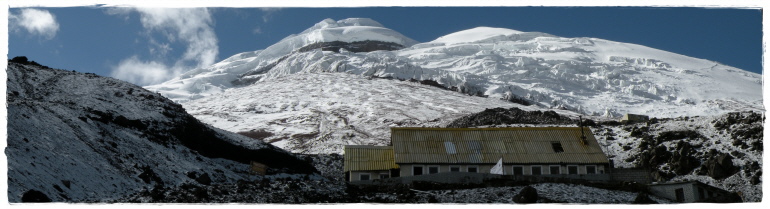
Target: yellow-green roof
[518, 145]
[368, 158]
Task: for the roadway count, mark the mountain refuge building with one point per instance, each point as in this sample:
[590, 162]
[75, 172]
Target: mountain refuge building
[506, 151]
[633, 118]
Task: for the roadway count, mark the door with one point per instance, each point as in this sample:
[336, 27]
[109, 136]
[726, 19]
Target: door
[679, 195]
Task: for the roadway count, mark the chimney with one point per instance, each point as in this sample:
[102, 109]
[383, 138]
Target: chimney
[582, 131]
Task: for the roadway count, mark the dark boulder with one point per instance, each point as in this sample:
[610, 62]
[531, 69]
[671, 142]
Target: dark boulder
[683, 161]
[642, 198]
[34, 196]
[526, 195]
[756, 179]
[720, 166]
[204, 179]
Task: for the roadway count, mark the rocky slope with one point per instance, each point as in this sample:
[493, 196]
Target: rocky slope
[83, 137]
[724, 151]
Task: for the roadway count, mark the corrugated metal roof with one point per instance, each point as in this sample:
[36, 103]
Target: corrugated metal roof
[368, 158]
[488, 145]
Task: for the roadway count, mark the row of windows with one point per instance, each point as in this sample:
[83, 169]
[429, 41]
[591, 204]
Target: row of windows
[517, 170]
[553, 169]
[366, 176]
[418, 170]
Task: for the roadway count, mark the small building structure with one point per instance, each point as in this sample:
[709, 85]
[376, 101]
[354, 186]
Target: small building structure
[689, 191]
[363, 162]
[633, 118]
[257, 168]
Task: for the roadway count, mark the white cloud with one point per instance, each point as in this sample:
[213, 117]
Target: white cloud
[268, 12]
[36, 22]
[142, 73]
[192, 27]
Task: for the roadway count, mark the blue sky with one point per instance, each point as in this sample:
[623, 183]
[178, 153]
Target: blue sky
[126, 42]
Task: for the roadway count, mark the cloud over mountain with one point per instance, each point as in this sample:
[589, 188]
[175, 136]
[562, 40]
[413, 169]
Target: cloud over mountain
[35, 21]
[191, 27]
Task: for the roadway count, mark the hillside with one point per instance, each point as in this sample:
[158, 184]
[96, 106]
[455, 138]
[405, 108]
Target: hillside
[82, 137]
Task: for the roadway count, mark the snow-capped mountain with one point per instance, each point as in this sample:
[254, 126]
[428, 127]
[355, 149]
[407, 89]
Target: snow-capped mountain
[364, 34]
[261, 91]
[587, 75]
[83, 137]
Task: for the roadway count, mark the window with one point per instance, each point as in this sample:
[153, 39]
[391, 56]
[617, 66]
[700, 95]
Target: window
[432, 169]
[475, 146]
[555, 169]
[518, 170]
[473, 169]
[454, 168]
[557, 147]
[450, 147]
[416, 170]
[384, 176]
[364, 176]
[591, 169]
[572, 169]
[536, 170]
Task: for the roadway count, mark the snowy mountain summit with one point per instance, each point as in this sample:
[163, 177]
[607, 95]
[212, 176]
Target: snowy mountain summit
[289, 93]
[587, 75]
[352, 35]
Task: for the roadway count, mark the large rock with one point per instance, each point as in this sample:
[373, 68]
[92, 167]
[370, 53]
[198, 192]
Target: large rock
[683, 161]
[34, 196]
[721, 166]
[642, 198]
[526, 195]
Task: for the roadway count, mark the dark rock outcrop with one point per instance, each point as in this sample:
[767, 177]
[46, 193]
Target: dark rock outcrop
[720, 165]
[642, 198]
[356, 46]
[204, 179]
[526, 195]
[34, 196]
[501, 116]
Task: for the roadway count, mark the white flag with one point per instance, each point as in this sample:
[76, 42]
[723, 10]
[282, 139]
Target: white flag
[498, 169]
